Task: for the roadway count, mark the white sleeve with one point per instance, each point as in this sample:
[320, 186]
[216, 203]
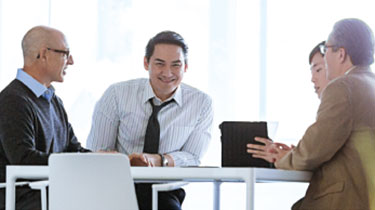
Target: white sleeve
[197, 143]
[105, 123]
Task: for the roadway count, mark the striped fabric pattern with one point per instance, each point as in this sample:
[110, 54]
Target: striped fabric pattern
[121, 116]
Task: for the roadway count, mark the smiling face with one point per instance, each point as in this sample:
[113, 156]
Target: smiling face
[166, 69]
[318, 73]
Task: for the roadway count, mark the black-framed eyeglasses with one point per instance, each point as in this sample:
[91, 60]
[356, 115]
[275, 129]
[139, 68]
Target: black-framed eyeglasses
[65, 52]
[323, 48]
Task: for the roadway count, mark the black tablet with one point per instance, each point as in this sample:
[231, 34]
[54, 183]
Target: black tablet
[234, 138]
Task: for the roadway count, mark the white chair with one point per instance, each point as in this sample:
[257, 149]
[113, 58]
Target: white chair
[4, 185]
[41, 185]
[34, 183]
[156, 188]
[92, 181]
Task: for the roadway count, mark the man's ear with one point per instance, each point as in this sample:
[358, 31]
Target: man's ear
[186, 67]
[342, 55]
[42, 54]
[145, 63]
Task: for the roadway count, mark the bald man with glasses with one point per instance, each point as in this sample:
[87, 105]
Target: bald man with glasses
[33, 121]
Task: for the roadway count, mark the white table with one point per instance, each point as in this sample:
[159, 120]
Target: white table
[195, 174]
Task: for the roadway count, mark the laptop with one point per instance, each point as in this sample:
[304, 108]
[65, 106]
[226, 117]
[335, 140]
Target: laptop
[234, 138]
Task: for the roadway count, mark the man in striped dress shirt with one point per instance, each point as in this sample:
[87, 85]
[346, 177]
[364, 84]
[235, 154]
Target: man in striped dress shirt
[121, 116]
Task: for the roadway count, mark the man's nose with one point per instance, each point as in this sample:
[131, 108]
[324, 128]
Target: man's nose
[167, 71]
[70, 60]
[313, 78]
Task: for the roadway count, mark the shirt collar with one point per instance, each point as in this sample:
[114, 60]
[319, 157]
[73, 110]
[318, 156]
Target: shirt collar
[149, 93]
[48, 94]
[36, 87]
[357, 68]
[349, 70]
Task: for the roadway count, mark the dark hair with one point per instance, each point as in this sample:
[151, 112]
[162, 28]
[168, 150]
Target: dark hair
[166, 37]
[356, 37]
[315, 51]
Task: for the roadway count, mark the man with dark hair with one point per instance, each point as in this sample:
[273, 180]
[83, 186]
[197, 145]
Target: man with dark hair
[316, 50]
[340, 146]
[33, 121]
[166, 37]
[318, 69]
[157, 121]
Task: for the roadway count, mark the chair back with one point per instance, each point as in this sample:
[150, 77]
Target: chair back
[92, 181]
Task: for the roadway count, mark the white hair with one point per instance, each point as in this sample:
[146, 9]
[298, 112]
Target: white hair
[357, 38]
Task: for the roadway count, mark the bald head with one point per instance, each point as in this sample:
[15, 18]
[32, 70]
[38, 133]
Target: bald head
[37, 38]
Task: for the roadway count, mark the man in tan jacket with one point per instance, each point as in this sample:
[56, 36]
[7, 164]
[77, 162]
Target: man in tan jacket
[340, 146]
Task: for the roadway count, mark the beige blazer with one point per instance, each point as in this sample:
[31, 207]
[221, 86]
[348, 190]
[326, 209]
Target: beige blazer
[340, 146]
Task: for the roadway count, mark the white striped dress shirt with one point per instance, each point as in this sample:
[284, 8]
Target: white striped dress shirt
[121, 116]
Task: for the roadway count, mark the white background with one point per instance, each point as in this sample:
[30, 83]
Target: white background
[250, 56]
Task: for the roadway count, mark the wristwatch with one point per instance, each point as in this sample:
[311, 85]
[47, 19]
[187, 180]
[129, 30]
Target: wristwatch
[164, 160]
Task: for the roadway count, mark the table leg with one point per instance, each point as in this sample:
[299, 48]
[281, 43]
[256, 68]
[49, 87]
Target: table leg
[250, 184]
[43, 192]
[10, 193]
[217, 195]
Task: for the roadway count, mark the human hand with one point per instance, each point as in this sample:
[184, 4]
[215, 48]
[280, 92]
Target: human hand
[265, 151]
[270, 151]
[153, 159]
[138, 159]
[281, 150]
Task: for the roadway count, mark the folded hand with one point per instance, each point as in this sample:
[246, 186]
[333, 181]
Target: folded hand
[144, 159]
[138, 159]
[270, 151]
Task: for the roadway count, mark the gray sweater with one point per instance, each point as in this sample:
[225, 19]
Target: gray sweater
[32, 128]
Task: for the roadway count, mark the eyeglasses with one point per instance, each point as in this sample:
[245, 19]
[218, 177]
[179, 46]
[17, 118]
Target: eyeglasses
[323, 48]
[65, 52]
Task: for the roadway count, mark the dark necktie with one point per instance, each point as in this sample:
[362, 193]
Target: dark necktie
[152, 136]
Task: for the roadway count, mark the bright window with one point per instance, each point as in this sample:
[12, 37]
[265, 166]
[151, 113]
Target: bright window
[250, 56]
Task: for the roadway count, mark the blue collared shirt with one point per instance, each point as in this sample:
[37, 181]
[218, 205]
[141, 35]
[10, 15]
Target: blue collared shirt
[36, 87]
